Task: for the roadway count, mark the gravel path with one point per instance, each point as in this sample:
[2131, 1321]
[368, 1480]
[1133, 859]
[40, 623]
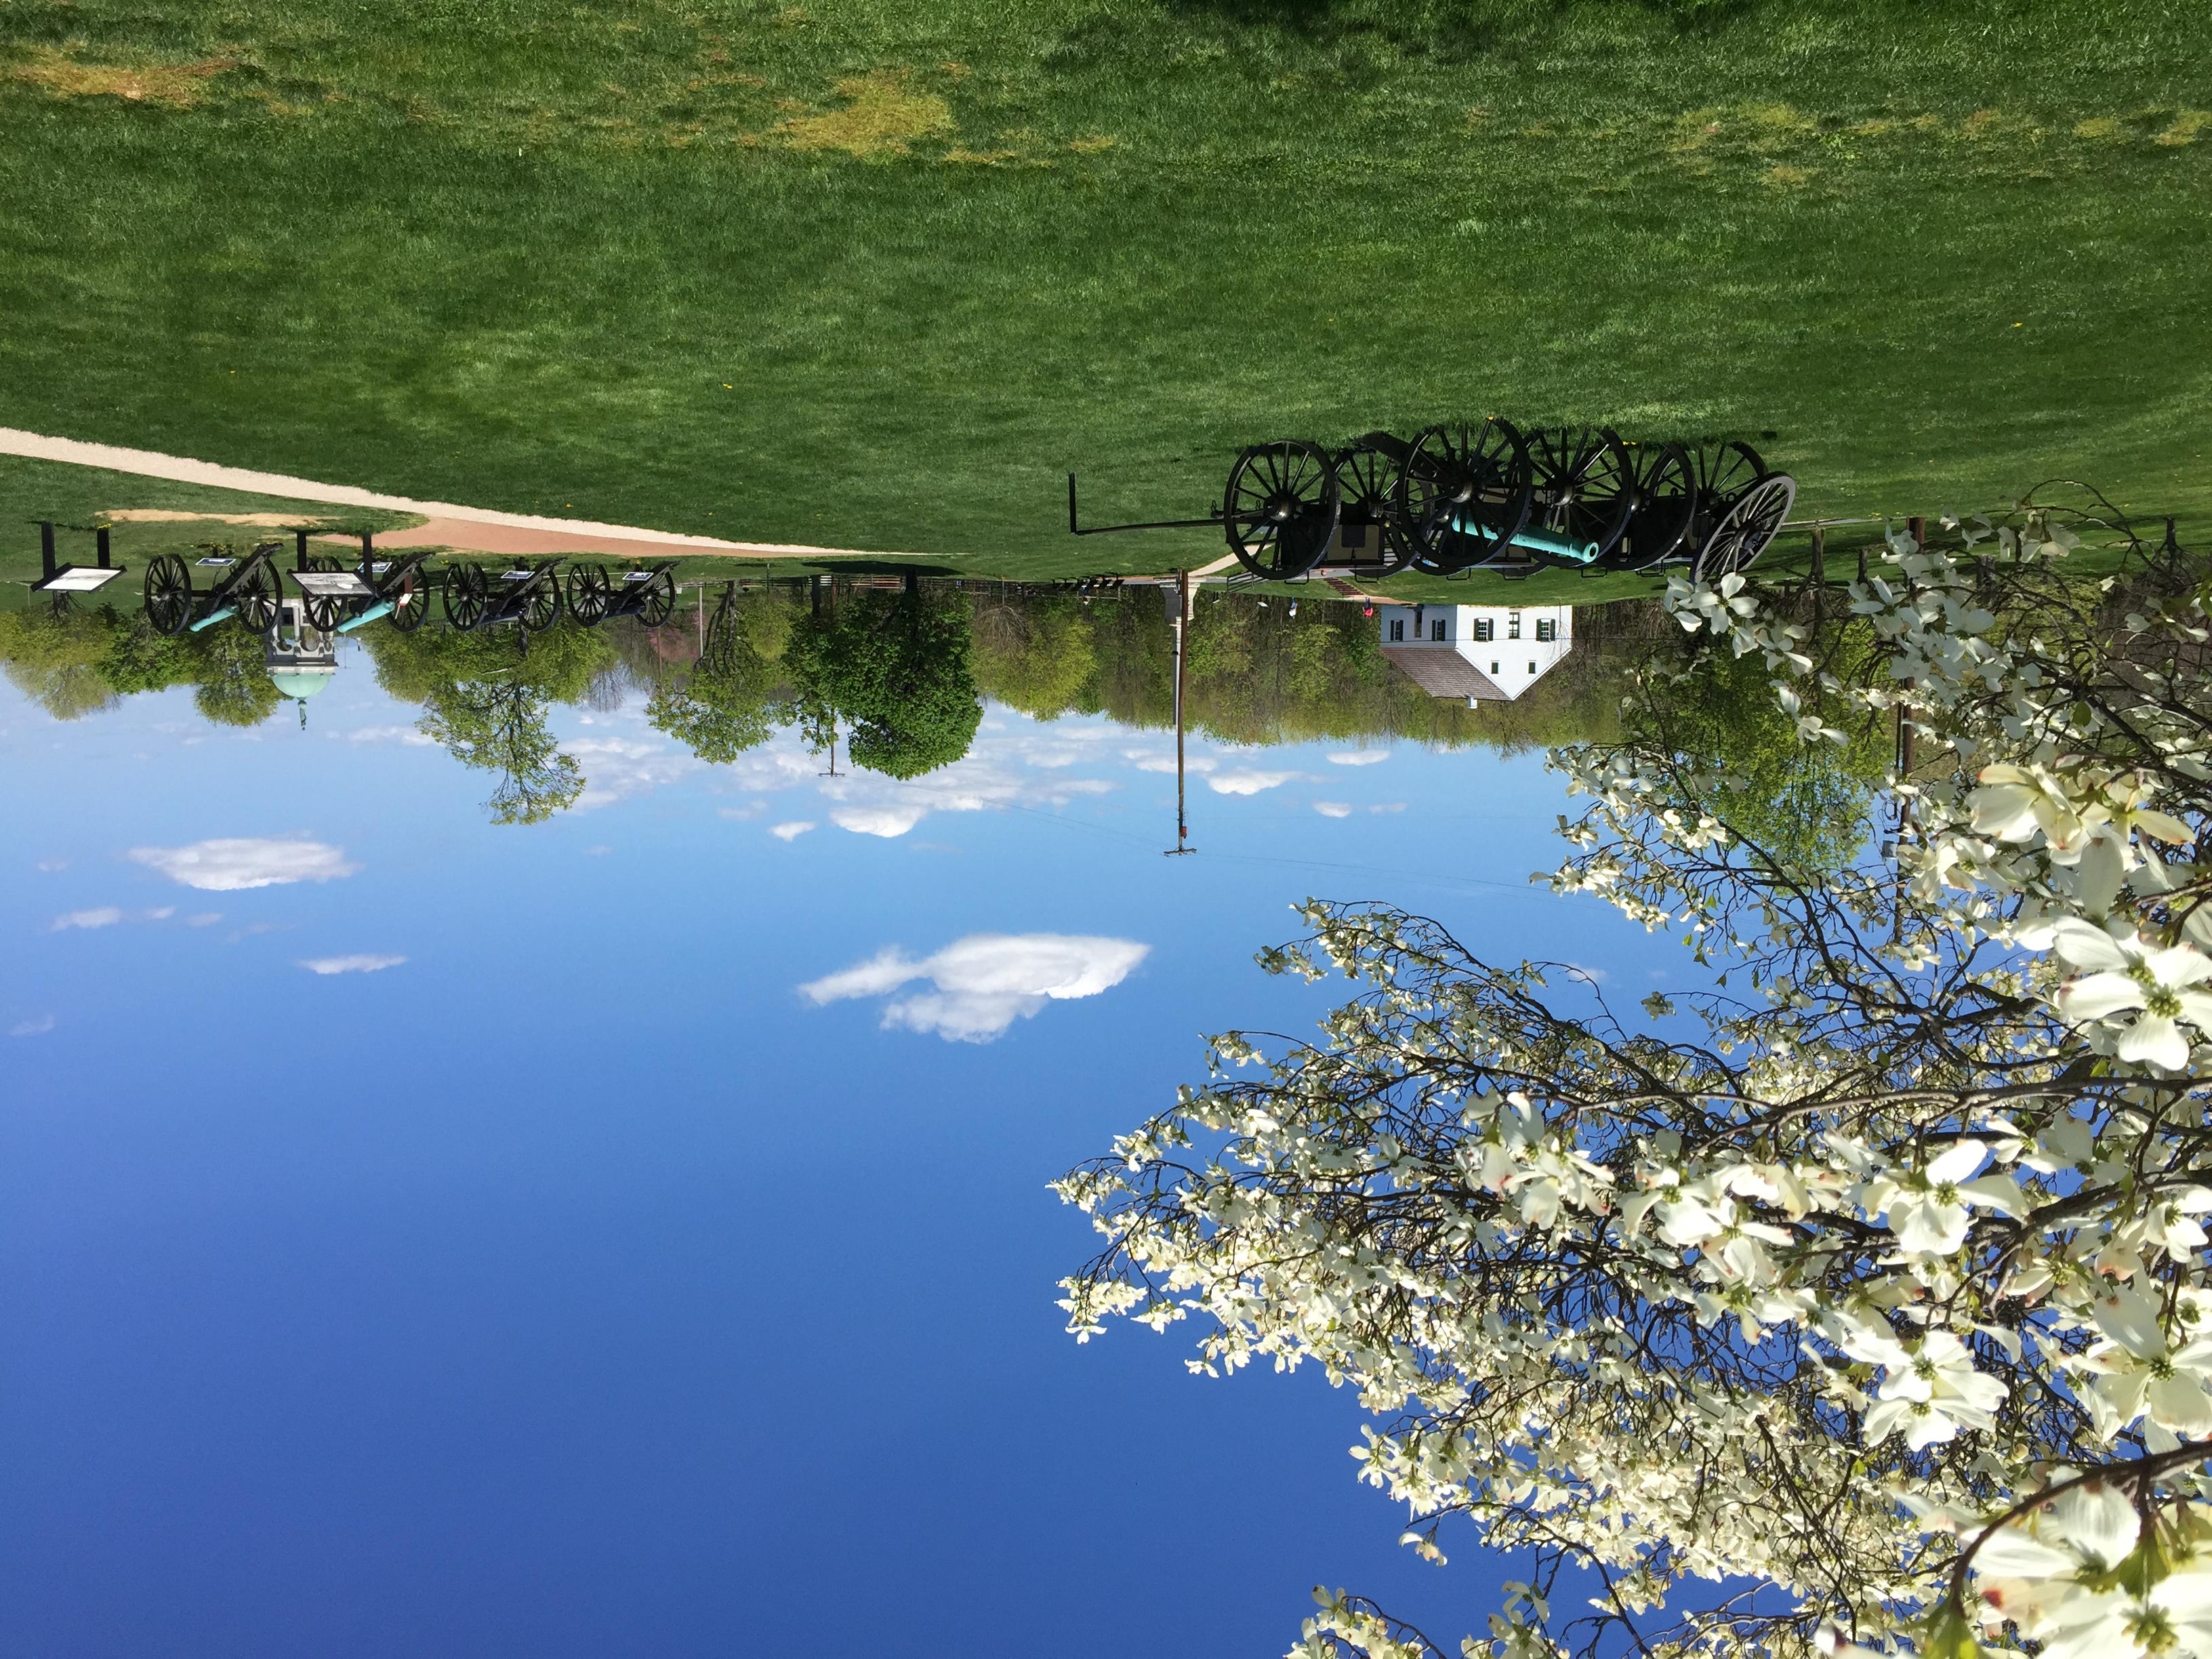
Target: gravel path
[469, 529]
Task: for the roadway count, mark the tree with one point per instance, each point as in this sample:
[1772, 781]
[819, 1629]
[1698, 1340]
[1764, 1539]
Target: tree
[500, 725]
[733, 698]
[895, 667]
[54, 658]
[486, 697]
[1862, 1299]
[1034, 653]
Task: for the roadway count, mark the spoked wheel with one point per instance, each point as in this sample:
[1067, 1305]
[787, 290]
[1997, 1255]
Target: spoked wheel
[590, 592]
[541, 606]
[411, 600]
[468, 596]
[1465, 494]
[325, 561]
[257, 596]
[1742, 535]
[1585, 488]
[168, 594]
[325, 611]
[657, 603]
[1724, 472]
[1368, 477]
[1281, 507]
[1665, 506]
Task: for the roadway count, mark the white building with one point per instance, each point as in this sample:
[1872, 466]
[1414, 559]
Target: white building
[1483, 653]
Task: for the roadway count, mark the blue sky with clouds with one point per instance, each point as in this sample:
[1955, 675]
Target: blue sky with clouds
[629, 1234]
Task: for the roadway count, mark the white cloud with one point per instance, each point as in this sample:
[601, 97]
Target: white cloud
[1389, 806]
[980, 985]
[354, 964]
[1359, 757]
[1333, 809]
[1248, 782]
[204, 919]
[616, 768]
[162, 914]
[1146, 762]
[597, 851]
[38, 1027]
[884, 821]
[230, 864]
[406, 734]
[107, 916]
[51, 864]
[791, 831]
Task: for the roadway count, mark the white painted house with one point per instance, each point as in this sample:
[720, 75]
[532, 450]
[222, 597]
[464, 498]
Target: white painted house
[1483, 653]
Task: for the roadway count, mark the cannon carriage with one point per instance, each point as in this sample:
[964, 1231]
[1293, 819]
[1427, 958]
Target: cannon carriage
[645, 592]
[249, 587]
[1461, 496]
[527, 596]
[1465, 495]
[339, 597]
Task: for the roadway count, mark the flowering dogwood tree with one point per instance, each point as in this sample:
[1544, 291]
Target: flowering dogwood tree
[1860, 1302]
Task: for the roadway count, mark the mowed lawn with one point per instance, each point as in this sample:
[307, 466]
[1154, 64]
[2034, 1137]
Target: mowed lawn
[878, 273]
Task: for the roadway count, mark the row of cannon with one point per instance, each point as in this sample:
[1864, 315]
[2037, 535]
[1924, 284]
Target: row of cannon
[1466, 496]
[338, 596]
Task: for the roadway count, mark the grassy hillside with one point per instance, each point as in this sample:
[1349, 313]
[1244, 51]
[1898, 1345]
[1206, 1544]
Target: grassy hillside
[878, 272]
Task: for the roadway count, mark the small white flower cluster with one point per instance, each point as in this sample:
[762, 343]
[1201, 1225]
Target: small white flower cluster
[1824, 1298]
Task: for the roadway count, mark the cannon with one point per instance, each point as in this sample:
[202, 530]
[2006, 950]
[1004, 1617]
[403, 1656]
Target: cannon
[648, 593]
[248, 586]
[1465, 495]
[342, 598]
[529, 595]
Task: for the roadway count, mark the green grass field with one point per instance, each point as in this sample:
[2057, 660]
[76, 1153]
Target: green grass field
[879, 272]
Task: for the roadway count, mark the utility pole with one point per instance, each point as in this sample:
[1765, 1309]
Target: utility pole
[1181, 622]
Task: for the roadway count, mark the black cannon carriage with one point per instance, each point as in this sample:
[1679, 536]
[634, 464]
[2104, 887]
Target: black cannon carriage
[1463, 495]
[341, 598]
[527, 596]
[645, 592]
[246, 586]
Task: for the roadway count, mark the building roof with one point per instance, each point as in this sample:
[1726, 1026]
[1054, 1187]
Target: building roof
[1443, 673]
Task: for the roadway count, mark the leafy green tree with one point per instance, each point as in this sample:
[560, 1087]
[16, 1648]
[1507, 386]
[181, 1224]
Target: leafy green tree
[55, 657]
[486, 697]
[728, 703]
[1036, 654]
[898, 669]
[1786, 802]
[499, 725]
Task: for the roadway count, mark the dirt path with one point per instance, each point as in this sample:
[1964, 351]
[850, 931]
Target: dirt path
[466, 529]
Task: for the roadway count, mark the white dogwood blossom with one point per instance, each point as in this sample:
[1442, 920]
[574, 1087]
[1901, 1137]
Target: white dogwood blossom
[1873, 1279]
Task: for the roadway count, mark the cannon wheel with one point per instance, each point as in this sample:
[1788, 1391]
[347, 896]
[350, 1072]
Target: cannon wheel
[169, 594]
[1585, 484]
[1368, 478]
[1466, 493]
[411, 600]
[468, 596]
[658, 602]
[1725, 471]
[590, 592]
[325, 611]
[541, 606]
[1281, 507]
[1749, 525]
[257, 596]
[1665, 506]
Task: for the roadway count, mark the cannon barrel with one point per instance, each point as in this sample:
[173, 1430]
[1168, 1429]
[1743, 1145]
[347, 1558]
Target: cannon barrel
[1574, 550]
[215, 616]
[381, 608]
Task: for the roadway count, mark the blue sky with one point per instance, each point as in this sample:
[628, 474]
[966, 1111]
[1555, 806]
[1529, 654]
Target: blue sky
[475, 1240]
